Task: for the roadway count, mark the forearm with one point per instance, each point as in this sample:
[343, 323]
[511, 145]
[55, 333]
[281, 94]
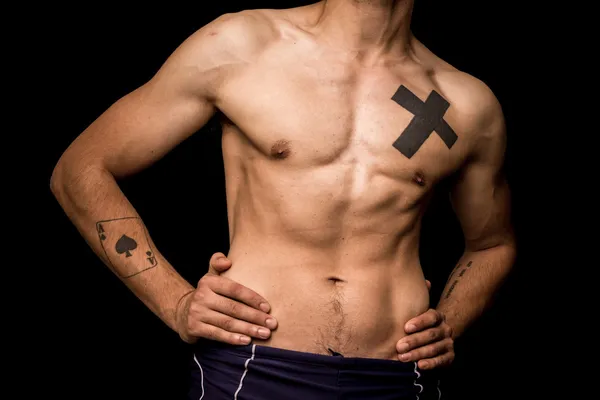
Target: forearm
[472, 285]
[109, 223]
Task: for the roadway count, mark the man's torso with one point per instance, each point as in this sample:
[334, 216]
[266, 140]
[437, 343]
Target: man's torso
[324, 212]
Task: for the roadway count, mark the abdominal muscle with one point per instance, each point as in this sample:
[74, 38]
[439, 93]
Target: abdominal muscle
[353, 297]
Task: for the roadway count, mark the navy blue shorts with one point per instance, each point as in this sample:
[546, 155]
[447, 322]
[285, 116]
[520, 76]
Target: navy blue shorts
[221, 371]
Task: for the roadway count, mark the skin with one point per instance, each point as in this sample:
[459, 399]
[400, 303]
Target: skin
[324, 213]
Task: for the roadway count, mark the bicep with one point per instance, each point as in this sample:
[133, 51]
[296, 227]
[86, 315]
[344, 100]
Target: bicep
[481, 201]
[142, 127]
[481, 195]
[147, 123]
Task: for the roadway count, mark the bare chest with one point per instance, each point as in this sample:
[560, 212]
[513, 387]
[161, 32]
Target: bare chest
[311, 113]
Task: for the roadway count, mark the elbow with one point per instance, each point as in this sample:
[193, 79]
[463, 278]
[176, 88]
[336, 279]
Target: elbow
[68, 172]
[504, 245]
[510, 251]
[509, 245]
[62, 172]
[57, 179]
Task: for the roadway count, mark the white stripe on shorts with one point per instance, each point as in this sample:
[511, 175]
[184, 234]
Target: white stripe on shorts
[244, 374]
[201, 377]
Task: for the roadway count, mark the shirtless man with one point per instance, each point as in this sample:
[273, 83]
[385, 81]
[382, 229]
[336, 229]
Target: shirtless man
[337, 124]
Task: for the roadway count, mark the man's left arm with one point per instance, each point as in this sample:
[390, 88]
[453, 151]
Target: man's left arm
[481, 201]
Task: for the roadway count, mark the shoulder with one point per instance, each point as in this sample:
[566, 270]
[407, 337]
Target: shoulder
[472, 99]
[474, 109]
[473, 104]
[205, 58]
[233, 37]
[477, 113]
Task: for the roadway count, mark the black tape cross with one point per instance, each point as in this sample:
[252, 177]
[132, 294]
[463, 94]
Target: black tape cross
[429, 117]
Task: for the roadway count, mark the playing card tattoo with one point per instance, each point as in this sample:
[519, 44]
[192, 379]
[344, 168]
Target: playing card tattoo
[126, 245]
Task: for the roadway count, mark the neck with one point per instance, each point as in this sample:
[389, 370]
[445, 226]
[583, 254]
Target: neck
[367, 26]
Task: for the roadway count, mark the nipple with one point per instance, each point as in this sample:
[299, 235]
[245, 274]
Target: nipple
[419, 178]
[281, 149]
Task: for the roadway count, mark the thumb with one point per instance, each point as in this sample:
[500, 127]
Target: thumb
[428, 284]
[218, 264]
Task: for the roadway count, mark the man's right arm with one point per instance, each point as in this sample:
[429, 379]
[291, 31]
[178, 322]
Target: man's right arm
[133, 133]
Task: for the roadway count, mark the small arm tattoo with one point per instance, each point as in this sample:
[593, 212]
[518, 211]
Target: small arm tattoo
[453, 271]
[460, 275]
[126, 246]
[451, 288]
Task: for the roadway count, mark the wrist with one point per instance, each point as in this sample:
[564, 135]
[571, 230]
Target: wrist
[450, 320]
[181, 313]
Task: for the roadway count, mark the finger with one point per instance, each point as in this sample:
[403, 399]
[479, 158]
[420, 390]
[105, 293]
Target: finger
[233, 325]
[420, 339]
[428, 319]
[430, 351]
[428, 283]
[240, 311]
[218, 263]
[228, 288]
[443, 360]
[215, 333]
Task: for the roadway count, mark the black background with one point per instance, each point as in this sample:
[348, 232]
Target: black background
[104, 343]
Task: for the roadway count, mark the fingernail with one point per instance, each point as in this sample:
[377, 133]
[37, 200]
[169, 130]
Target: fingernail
[271, 323]
[244, 339]
[265, 307]
[411, 327]
[262, 332]
[424, 365]
[402, 347]
[405, 357]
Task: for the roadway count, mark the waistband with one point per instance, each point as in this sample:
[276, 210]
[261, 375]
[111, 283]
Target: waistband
[335, 361]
